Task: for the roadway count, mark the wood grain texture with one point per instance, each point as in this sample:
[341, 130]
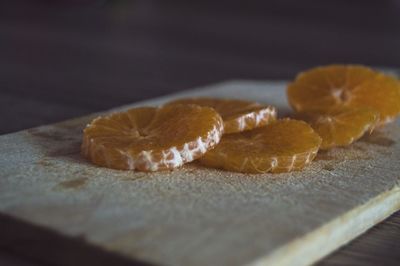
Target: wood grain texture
[197, 216]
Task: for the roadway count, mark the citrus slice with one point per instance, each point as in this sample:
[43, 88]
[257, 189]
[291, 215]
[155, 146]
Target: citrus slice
[238, 115]
[325, 88]
[151, 139]
[341, 127]
[281, 146]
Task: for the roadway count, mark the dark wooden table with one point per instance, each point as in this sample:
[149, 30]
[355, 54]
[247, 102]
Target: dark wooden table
[61, 59]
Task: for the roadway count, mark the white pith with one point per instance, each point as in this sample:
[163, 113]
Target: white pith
[259, 117]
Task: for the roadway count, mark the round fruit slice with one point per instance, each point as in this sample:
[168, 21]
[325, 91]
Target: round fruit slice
[341, 127]
[325, 88]
[238, 115]
[281, 146]
[381, 94]
[151, 139]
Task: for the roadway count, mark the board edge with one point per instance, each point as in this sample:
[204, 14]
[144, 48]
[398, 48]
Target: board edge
[329, 237]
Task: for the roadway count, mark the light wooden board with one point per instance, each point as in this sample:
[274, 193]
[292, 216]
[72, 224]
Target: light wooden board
[194, 215]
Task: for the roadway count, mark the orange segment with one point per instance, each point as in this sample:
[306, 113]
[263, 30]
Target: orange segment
[151, 139]
[281, 146]
[238, 115]
[341, 127]
[381, 94]
[325, 88]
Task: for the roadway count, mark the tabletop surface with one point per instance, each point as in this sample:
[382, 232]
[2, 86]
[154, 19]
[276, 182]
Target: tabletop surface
[76, 57]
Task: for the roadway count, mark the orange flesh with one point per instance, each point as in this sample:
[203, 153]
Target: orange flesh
[238, 115]
[341, 103]
[342, 127]
[281, 146]
[151, 139]
[322, 89]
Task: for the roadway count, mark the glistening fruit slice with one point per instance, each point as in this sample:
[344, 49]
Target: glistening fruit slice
[341, 127]
[281, 146]
[381, 94]
[151, 139]
[325, 88]
[238, 115]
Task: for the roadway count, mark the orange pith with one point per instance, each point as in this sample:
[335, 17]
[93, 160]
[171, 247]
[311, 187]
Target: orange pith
[151, 139]
[341, 127]
[238, 115]
[281, 146]
[322, 89]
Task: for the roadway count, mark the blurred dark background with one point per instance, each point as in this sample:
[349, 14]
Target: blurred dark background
[60, 59]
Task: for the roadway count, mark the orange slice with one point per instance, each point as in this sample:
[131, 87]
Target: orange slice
[238, 115]
[151, 139]
[281, 146]
[341, 127]
[325, 88]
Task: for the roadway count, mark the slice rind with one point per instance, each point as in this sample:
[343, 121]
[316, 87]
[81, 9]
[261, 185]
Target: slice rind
[238, 115]
[281, 146]
[327, 88]
[341, 127]
[151, 139]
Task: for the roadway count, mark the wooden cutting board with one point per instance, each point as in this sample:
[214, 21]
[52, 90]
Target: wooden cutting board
[57, 206]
